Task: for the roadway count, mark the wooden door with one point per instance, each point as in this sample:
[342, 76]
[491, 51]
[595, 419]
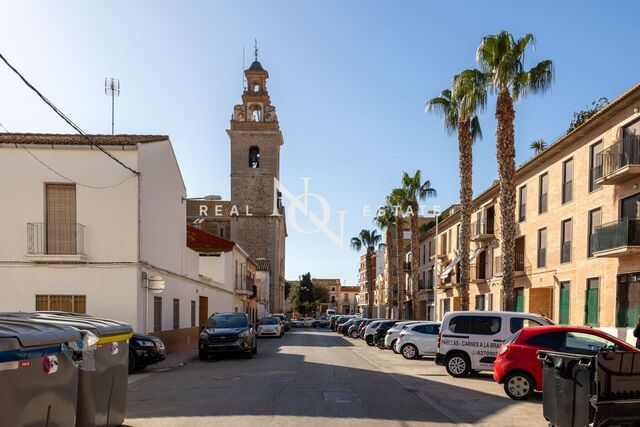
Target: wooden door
[203, 310]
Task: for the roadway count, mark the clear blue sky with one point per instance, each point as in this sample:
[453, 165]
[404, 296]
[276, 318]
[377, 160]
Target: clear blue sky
[349, 80]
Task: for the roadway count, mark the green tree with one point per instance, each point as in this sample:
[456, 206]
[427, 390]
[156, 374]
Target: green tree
[413, 191]
[579, 117]
[303, 298]
[459, 108]
[369, 240]
[501, 58]
[538, 146]
[385, 219]
[396, 200]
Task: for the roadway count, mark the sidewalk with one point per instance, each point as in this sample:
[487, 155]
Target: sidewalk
[177, 358]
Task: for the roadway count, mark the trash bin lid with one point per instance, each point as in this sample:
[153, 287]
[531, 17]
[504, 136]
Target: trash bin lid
[22, 333]
[102, 328]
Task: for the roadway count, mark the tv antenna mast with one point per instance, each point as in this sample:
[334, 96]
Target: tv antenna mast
[112, 87]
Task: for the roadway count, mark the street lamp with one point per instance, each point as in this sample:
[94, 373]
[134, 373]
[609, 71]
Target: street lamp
[154, 284]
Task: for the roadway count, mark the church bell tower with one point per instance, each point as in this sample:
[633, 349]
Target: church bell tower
[255, 140]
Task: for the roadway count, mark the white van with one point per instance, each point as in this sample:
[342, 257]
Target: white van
[330, 312]
[469, 340]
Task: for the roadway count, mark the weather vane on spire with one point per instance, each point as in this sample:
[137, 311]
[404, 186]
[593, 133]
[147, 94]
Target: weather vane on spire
[255, 48]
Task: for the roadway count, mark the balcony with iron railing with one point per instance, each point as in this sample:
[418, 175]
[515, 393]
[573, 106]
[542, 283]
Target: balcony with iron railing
[498, 265]
[483, 229]
[55, 242]
[618, 163]
[422, 284]
[617, 238]
[245, 285]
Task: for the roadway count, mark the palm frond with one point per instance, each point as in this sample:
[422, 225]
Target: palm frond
[356, 243]
[476, 131]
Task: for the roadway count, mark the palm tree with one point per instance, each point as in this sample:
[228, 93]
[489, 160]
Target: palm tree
[415, 190]
[385, 219]
[369, 240]
[501, 58]
[459, 109]
[538, 146]
[397, 200]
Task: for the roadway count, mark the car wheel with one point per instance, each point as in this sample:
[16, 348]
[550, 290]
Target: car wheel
[409, 351]
[393, 346]
[457, 364]
[354, 334]
[380, 343]
[203, 355]
[369, 340]
[132, 362]
[519, 385]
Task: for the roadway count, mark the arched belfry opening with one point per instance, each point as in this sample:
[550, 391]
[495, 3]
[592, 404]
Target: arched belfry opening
[254, 157]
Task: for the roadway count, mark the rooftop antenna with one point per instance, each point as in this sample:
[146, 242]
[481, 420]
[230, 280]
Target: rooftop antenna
[112, 87]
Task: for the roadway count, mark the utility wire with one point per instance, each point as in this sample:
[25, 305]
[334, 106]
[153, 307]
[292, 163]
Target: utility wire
[94, 187]
[64, 117]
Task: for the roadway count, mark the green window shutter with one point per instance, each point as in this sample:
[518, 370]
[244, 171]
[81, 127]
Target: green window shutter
[592, 307]
[564, 306]
[519, 300]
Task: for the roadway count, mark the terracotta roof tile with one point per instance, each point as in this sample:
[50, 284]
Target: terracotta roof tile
[76, 139]
[203, 242]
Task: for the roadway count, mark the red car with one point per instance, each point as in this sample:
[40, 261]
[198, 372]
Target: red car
[517, 365]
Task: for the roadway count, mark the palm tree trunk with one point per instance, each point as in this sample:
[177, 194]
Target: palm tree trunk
[398, 290]
[391, 269]
[369, 268]
[465, 162]
[506, 157]
[415, 259]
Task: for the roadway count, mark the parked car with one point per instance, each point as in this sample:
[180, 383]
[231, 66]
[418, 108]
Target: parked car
[284, 319]
[341, 320]
[297, 323]
[332, 322]
[307, 322]
[144, 350]
[344, 328]
[394, 331]
[228, 333]
[367, 334]
[418, 339]
[354, 329]
[381, 331]
[363, 327]
[270, 327]
[517, 365]
[469, 340]
[321, 322]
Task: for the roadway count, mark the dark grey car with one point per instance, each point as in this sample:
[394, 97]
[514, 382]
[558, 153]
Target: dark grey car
[228, 333]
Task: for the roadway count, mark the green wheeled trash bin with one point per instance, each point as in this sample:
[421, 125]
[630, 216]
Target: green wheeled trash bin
[102, 383]
[38, 378]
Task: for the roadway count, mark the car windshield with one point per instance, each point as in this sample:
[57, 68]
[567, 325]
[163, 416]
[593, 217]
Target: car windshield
[227, 321]
[269, 321]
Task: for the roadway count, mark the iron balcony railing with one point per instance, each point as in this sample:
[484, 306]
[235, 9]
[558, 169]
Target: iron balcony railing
[482, 226]
[498, 265]
[616, 234]
[421, 284]
[429, 284]
[55, 239]
[542, 257]
[622, 153]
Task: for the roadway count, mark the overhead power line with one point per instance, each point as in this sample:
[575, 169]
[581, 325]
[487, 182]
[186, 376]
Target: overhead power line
[64, 117]
[94, 187]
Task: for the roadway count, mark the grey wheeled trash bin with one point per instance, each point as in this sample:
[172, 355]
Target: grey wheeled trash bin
[38, 382]
[102, 388]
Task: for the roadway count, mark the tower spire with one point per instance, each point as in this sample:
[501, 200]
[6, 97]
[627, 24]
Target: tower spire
[255, 48]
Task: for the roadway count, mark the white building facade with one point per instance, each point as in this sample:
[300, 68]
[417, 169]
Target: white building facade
[81, 232]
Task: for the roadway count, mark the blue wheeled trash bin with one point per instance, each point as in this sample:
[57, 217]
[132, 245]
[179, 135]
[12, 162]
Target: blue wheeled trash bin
[103, 375]
[38, 379]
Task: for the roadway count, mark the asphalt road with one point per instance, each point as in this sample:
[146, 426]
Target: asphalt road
[317, 378]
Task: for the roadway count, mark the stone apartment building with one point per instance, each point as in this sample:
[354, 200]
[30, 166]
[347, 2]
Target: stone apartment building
[254, 217]
[347, 300]
[578, 246]
[377, 275]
